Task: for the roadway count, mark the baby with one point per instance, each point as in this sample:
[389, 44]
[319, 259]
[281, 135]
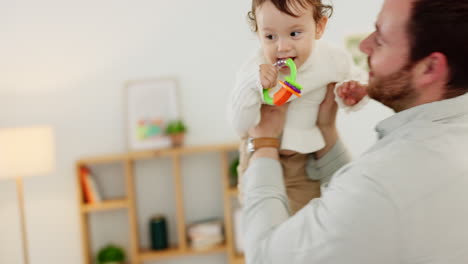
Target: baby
[292, 29]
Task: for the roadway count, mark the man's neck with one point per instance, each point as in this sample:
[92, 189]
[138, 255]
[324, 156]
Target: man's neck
[427, 94]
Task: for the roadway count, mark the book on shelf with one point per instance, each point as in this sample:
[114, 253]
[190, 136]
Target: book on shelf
[205, 234]
[89, 186]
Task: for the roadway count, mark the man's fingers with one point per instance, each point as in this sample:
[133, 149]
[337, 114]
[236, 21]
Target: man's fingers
[283, 108]
[330, 96]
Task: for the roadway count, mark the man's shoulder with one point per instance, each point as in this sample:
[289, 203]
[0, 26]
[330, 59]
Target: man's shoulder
[404, 153]
[408, 169]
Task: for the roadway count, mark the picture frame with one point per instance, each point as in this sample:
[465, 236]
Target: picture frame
[352, 43]
[150, 105]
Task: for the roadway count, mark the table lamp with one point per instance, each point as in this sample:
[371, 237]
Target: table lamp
[25, 151]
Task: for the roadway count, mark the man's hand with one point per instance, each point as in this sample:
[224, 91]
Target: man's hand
[271, 121]
[271, 125]
[351, 92]
[326, 118]
[268, 76]
[326, 121]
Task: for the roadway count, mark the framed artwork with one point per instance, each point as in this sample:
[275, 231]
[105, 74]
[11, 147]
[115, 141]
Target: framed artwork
[151, 104]
[352, 44]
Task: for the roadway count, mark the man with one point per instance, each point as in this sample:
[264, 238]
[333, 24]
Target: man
[403, 201]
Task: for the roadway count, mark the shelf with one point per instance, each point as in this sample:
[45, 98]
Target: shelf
[148, 154]
[103, 159]
[233, 191]
[176, 252]
[127, 162]
[238, 259]
[105, 205]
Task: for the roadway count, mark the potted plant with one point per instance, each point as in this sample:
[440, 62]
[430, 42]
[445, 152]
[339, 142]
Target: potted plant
[233, 177]
[111, 254]
[176, 130]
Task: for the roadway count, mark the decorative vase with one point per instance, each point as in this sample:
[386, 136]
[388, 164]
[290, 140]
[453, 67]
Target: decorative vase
[158, 233]
[177, 139]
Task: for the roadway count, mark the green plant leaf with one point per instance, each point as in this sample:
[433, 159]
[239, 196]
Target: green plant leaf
[175, 127]
[111, 253]
[233, 177]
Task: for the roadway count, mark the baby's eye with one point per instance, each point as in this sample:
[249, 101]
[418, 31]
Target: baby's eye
[271, 37]
[295, 34]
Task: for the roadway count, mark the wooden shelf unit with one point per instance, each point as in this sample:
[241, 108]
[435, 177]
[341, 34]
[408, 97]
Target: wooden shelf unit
[136, 254]
[106, 205]
[175, 252]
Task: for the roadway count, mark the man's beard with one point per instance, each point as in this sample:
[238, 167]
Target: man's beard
[395, 90]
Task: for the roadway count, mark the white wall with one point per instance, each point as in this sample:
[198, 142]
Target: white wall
[351, 17]
[64, 63]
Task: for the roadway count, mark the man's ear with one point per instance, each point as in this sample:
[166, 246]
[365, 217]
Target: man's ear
[431, 70]
[320, 28]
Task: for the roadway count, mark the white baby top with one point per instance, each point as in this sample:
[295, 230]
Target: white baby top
[326, 64]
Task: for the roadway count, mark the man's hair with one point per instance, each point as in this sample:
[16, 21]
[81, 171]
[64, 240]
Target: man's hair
[287, 6]
[442, 26]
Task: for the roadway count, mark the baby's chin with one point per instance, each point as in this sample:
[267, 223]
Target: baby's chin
[285, 71]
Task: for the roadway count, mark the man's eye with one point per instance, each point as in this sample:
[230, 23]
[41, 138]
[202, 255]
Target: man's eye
[295, 33]
[378, 42]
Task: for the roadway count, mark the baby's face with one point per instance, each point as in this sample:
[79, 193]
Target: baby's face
[283, 36]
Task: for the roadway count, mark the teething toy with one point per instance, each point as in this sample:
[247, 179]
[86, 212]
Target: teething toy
[288, 87]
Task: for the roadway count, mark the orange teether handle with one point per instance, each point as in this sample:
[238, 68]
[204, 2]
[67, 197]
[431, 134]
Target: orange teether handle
[281, 96]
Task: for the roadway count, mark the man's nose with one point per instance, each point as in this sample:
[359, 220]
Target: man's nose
[365, 46]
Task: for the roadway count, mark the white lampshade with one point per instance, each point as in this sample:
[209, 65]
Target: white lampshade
[26, 151]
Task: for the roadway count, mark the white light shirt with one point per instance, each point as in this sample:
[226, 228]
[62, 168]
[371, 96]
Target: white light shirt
[403, 201]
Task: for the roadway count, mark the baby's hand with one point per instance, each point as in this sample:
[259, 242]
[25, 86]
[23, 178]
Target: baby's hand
[351, 92]
[268, 75]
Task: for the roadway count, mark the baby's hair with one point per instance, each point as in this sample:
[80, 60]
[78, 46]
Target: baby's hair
[320, 9]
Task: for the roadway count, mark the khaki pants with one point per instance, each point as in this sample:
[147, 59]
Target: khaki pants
[299, 188]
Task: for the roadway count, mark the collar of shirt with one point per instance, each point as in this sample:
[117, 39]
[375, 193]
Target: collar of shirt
[430, 112]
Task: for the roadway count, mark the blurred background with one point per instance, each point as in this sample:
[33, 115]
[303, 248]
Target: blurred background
[65, 64]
